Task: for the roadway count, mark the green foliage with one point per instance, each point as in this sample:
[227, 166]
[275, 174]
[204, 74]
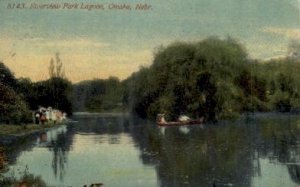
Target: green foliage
[55, 92]
[254, 90]
[6, 76]
[12, 108]
[99, 95]
[19, 95]
[283, 84]
[212, 78]
[191, 78]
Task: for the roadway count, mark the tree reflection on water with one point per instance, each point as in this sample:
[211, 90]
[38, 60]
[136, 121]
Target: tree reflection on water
[214, 156]
[60, 146]
[281, 143]
[58, 141]
[222, 154]
[59, 156]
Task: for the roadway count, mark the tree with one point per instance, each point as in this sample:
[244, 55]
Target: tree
[56, 69]
[12, 108]
[53, 92]
[6, 76]
[196, 79]
[56, 91]
[98, 95]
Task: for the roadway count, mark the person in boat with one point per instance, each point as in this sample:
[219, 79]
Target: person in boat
[37, 116]
[161, 119]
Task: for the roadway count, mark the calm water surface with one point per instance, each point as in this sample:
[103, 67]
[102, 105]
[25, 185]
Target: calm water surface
[122, 150]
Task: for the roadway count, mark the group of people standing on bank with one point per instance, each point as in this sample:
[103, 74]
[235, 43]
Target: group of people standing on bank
[43, 115]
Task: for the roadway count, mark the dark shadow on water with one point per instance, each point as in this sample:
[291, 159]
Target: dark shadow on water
[60, 148]
[223, 154]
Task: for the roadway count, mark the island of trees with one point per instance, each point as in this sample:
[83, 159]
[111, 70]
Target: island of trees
[214, 78]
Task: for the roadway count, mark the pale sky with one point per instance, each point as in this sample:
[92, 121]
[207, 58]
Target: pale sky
[102, 43]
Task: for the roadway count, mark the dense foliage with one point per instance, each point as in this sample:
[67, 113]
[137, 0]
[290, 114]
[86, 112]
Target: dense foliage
[212, 78]
[53, 92]
[19, 97]
[283, 84]
[6, 76]
[99, 95]
[13, 109]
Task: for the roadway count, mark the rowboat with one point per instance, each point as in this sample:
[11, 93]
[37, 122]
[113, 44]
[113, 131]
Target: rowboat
[162, 122]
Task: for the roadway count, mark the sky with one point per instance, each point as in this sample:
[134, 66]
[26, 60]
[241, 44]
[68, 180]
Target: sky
[111, 42]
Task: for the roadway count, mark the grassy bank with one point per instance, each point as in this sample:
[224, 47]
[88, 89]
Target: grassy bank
[21, 129]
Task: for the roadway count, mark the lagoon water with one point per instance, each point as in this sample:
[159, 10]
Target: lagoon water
[123, 150]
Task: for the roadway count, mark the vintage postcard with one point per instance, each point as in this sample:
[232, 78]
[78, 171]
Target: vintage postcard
[149, 93]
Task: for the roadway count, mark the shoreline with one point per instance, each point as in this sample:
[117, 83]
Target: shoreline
[100, 113]
[10, 133]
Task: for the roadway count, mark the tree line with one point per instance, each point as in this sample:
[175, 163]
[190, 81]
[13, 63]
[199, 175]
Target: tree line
[98, 95]
[214, 78]
[19, 97]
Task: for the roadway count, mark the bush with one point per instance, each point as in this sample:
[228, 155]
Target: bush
[13, 110]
